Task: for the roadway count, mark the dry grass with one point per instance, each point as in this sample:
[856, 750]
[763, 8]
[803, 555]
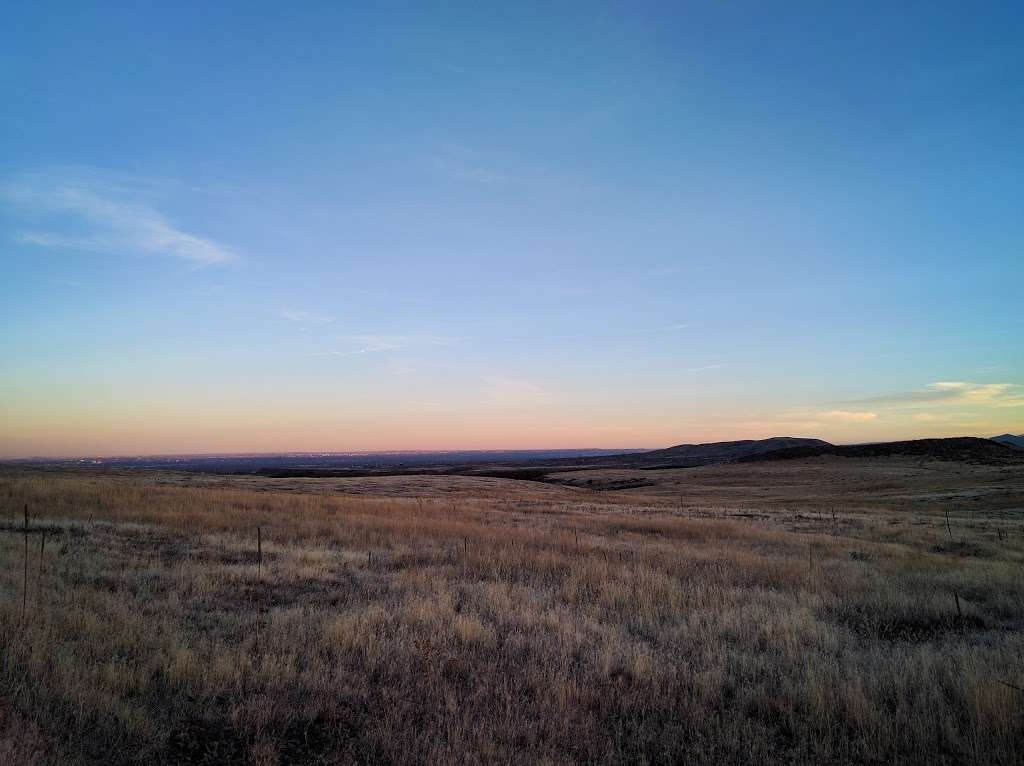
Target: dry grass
[502, 622]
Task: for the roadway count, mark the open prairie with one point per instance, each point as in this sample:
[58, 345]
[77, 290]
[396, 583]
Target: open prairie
[818, 610]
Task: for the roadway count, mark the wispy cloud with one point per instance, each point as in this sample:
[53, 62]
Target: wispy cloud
[368, 344]
[706, 367]
[849, 416]
[564, 291]
[666, 328]
[510, 392]
[954, 392]
[480, 174]
[423, 404]
[373, 344]
[997, 393]
[666, 271]
[303, 317]
[466, 165]
[675, 327]
[85, 211]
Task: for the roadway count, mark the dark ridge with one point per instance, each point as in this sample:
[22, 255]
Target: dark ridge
[680, 456]
[538, 468]
[1010, 440]
[961, 449]
[686, 455]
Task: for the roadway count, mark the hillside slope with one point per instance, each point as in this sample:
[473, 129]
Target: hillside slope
[684, 455]
[679, 456]
[963, 449]
[1010, 440]
[537, 469]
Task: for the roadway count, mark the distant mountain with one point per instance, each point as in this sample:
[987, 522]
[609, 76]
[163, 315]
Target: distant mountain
[963, 449]
[1010, 439]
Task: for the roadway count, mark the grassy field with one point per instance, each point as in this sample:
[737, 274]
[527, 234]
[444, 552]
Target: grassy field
[817, 611]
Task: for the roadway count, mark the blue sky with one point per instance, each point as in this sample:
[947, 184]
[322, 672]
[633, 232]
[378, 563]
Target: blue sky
[251, 227]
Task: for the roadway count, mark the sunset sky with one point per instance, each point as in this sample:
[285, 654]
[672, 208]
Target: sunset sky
[289, 227]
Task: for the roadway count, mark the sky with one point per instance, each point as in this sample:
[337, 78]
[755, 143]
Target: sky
[255, 227]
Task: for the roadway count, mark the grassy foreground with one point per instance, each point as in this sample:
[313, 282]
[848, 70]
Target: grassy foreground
[498, 628]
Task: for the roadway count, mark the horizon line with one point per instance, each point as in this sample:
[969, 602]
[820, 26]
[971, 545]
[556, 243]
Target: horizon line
[328, 453]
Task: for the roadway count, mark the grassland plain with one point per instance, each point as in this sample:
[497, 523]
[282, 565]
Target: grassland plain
[814, 611]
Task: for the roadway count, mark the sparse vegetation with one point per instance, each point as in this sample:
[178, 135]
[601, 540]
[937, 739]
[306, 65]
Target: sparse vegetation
[461, 620]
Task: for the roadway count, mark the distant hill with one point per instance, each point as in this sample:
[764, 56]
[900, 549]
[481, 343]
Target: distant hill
[686, 455]
[1010, 439]
[964, 449]
[679, 456]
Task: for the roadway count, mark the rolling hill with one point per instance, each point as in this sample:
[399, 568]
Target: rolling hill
[965, 449]
[688, 455]
[1011, 440]
[679, 456]
[537, 468]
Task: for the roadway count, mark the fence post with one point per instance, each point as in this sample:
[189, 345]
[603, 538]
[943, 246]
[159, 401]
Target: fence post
[24, 586]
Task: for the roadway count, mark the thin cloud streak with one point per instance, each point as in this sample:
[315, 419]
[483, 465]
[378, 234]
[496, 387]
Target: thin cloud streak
[86, 213]
[511, 392]
[301, 316]
[849, 417]
[663, 328]
[669, 328]
[464, 165]
[953, 392]
[372, 344]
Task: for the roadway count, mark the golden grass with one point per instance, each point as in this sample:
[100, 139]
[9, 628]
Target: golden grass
[543, 627]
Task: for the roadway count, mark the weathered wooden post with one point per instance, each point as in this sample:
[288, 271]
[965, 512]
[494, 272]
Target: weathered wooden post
[24, 585]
